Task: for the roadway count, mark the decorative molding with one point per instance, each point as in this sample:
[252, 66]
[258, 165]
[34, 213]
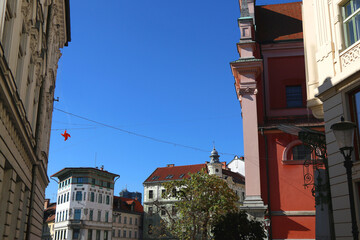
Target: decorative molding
[350, 55]
[293, 213]
[247, 91]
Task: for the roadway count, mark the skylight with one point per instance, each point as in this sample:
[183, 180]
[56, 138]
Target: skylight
[182, 175]
[155, 177]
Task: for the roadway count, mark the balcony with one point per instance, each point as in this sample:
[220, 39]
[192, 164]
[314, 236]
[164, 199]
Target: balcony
[75, 223]
[350, 56]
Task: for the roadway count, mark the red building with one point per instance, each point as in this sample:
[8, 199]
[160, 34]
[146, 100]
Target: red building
[270, 85]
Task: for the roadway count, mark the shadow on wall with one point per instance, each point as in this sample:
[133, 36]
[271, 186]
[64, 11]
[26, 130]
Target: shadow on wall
[273, 26]
[293, 227]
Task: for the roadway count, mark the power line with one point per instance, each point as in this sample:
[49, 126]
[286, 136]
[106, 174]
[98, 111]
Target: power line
[140, 135]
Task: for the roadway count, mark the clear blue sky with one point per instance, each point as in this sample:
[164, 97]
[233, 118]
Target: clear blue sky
[157, 68]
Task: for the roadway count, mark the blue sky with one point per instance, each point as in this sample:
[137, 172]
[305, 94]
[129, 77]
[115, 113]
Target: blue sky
[156, 68]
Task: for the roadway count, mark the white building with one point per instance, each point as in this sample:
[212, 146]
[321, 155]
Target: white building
[237, 165]
[332, 55]
[84, 204]
[153, 189]
[32, 32]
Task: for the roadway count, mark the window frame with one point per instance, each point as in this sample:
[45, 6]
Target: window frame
[347, 20]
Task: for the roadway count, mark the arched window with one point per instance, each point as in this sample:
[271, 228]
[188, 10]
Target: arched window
[296, 153]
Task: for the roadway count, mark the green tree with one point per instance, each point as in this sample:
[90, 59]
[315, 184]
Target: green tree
[237, 226]
[201, 200]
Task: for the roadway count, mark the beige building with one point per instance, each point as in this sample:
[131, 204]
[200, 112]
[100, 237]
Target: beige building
[49, 220]
[332, 55]
[127, 219]
[31, 35]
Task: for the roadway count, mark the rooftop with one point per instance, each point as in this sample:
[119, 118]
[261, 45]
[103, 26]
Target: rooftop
[72, 170]
[278, 22]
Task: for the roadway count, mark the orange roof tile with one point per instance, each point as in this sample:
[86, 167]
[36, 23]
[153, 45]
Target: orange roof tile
[122, 203]
[174, 172]
[278, 22]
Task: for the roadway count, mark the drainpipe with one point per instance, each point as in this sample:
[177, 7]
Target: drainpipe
[267, 181]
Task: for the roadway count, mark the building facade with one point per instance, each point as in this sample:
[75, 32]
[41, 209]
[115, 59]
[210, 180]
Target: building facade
[49, 220]
[332, 50]
[133, 195]
[84, 204]
[270, 85]
[31, 35]
[127, 219]
[157, 208]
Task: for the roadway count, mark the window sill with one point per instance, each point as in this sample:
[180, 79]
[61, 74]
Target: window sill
[293, 162]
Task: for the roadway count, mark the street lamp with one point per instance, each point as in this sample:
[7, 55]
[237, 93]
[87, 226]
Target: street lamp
[344, 134]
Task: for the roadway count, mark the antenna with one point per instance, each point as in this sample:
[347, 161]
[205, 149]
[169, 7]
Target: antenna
[95, 158]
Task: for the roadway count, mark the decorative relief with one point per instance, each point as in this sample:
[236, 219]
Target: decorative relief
[248, 91]
[350, 56]
[5, 118]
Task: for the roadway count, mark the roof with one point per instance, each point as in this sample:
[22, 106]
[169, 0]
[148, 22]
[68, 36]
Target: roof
[278, 22]
[124, 204]
[237, 177]
[82, 169]
[174, 172]
[49, 213]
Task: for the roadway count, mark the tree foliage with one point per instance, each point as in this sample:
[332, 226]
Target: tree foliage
[201, 200]
[237, 226]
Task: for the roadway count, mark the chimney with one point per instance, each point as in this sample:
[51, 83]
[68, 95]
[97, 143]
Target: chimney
[242, 158]
[170, 165]
[46, 203]
[102, 168]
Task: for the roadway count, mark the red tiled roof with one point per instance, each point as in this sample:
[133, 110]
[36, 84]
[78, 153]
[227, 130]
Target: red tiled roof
[278, 22]
[49, 213]
[177, 172]
[121, 203]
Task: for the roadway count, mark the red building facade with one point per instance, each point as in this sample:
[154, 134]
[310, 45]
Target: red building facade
[270, 85]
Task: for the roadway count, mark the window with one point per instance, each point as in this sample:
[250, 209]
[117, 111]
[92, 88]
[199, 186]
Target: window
[97, 234]
[67, 196]
[99, 216]
[100, 198]
[106, 216]
[135, 234]
[351, 20]
[107, 200]
[92, 197]
[301, 152]
[114, 218]
[355, 117]
[113, 232]
[136, 221]
[90, 233]
[124, 233]
[173, 210]
[129, 234]
[84, 196]
[294, 97]
[91, 215]
[182, 175]
[78, 196]
[125, 220]
[150, 210]
[169, 176]
[151, 194]
[130, 220]
[119, 220]
[106, 235]
[62, 199]
[93, 181]
[77, 214]
[162, 212]
[119, 233]
[80, 180]
[155, 178]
